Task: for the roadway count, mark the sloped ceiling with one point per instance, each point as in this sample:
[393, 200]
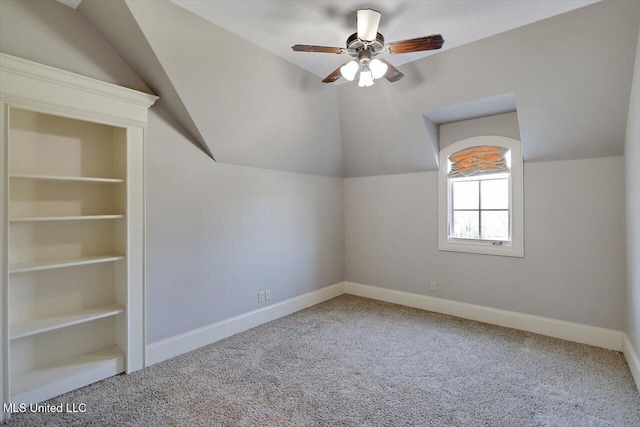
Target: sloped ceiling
[115, 22]
[251, 107]
[73, 4]
[52, 34]
[570, 74]
[276, 25]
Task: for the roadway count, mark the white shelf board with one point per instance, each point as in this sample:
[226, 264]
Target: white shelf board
[24, 267]
[63, 218]
[64, 178]
[45, 324]
[58, 378]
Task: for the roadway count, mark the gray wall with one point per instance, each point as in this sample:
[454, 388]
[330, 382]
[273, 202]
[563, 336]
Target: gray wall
[217, 234]
[498, 125]
[573, 267]
[632, 160]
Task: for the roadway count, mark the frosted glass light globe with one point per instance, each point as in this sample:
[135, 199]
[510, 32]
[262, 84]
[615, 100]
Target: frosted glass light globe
[349, 70]
[366, 79]
[378, 68]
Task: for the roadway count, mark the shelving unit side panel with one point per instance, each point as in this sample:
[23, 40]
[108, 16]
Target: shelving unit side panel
[4, 256]
[130, 274]
[121, 235]
[135, 259]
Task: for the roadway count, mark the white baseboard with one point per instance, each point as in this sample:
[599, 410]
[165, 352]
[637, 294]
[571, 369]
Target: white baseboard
[188, 341]
[599, 337]
[592, 335]
[632, 359]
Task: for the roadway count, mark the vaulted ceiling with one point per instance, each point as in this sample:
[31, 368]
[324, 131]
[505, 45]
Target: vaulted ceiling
[570, 75]
[250, 107]
[275, 25]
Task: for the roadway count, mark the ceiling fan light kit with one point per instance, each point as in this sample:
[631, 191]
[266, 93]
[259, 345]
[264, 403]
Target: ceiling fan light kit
[366, 78]
[378, 68]
[365, 45]
[349, 70]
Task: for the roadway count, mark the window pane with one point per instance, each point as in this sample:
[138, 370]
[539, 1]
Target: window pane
[466, 225]
[495, 225]
[495, 194]
[465, 195]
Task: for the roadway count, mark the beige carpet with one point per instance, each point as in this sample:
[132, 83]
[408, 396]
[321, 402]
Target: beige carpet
[358, 362]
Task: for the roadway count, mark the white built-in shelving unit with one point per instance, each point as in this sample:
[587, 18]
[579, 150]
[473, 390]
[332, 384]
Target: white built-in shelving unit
[72, 220]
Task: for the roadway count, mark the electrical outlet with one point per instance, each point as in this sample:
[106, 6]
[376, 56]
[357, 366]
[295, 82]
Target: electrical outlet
[434, 286]
[261, 296]
[267, 294]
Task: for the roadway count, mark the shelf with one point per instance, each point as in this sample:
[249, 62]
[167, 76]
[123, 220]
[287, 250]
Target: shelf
[63, 218]
[64, 178]
[44, 383]
[46, 324]
[24, 267]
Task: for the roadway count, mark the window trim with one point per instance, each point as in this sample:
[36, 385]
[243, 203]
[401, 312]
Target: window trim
[515, 248]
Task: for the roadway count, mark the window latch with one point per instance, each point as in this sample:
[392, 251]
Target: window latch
[498, 243]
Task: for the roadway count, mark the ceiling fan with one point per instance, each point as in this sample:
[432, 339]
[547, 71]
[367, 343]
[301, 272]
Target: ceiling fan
[365, 45]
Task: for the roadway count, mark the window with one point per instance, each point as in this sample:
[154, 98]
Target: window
[481, 197]
[480, 208]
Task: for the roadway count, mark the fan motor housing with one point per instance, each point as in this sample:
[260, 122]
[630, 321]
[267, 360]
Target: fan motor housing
[355, 45]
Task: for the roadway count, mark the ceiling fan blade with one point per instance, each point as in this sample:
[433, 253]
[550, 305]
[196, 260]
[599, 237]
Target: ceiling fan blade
[416, 45]
[392, 74]
[321, 49]
[368, 22]
[335, 75]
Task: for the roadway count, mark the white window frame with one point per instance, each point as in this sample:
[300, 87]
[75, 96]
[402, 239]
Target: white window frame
[514, 247]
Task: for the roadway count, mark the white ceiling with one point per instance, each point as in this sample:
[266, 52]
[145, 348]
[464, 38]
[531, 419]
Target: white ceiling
[276, 25]
[254, 108]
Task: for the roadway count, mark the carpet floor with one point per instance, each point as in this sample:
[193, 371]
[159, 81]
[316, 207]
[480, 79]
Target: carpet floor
[353, 361]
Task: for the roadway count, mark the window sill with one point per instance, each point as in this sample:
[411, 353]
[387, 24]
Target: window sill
[481, 248]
